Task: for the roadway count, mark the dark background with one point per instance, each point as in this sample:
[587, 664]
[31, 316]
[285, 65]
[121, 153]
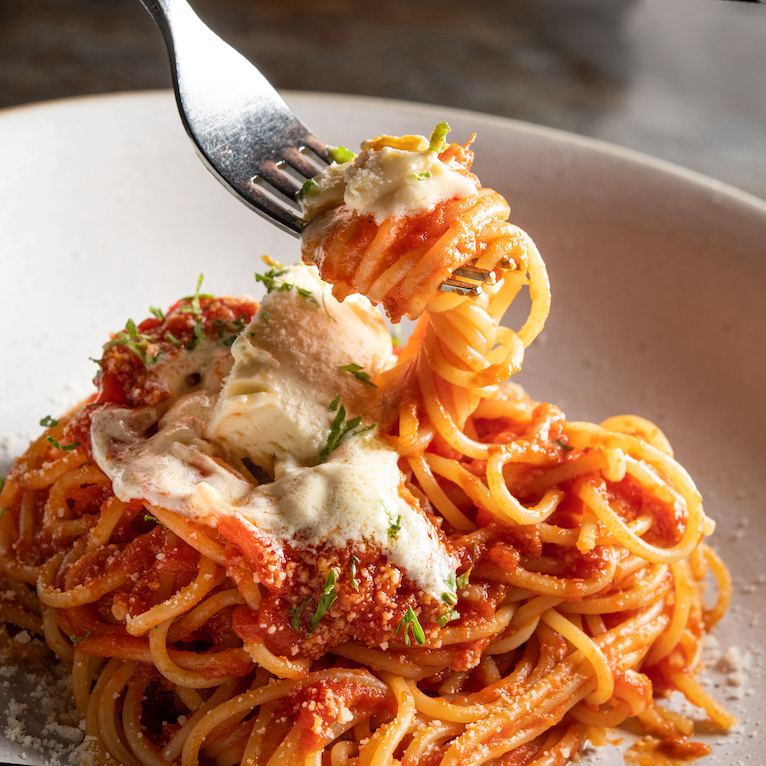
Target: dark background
[684, 80]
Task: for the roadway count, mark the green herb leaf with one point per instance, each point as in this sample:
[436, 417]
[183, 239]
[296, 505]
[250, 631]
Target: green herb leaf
[456, 583]
[438, 142]
[353, 561]
[264, 318]
[295, 613]
[326, 311]
[65, 447]
[269, 279]
[326, 600]
[340, 154]
[229, 342]
[149, 517]
[157, 312]
[77, 639]
[410, 619]
[394, 527]
[422, 175]
[565, 447]
[156, 358]
[449, 597]
[273, 283]
[2, 483]
[198, 334]
[358, 372]
[49, 422]
[306, 188]
[195, 304]
[339, 428]
[446, 617]
[172, 339]
[134, 341]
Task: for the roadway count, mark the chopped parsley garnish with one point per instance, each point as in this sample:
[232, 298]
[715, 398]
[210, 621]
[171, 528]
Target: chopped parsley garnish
[353, 561]
[565, 447]
[410, 619]
[135, 341]
[77, 639]
[394, 527]
[157, 312]
[265, 317]
[358, 372]
[270, 278]
[340, 154]
[326, 310]
[446, 617]
[156, 358]
[273, 283]
[449, 597]
[326, 600]
[235, 325]
[295, 613]
[438, 142]
[198, 333]
[422, 175]
[195, 307]
[229, 342]
[65, 447]
[454, 584]
[307, 294]
[306, 188]
[172, 339]
[339, 428]
[48, 422]
[2, 483]
[149, 517]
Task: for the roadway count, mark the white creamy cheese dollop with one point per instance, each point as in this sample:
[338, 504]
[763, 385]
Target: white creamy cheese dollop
[353, 498]
[388, 182]
[274, 405]
[172, 468]
[185, 454]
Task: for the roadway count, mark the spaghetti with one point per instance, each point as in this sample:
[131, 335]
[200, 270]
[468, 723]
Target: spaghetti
[482, 581]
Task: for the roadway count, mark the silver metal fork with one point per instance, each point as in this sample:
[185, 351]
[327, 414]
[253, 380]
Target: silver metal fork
[243, 130]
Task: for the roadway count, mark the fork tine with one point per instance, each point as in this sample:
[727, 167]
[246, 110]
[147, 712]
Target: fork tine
[472, 274]
[271, 173]
[318, 147]
[280, 215]
[296, 160]
[460, 287]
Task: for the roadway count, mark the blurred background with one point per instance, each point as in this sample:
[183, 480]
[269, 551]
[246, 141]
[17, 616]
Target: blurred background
[684, 80]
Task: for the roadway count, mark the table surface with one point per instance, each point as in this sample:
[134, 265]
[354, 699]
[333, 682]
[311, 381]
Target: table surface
[679, 79]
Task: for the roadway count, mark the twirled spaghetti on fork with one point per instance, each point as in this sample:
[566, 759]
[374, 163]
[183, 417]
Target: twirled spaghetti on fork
[267, 539]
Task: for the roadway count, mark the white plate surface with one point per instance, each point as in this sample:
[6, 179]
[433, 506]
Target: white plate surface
[658, 278]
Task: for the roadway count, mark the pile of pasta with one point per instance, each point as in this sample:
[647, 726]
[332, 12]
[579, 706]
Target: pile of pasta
[578, 602]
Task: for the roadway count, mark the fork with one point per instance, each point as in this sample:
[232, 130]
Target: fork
[244, 132]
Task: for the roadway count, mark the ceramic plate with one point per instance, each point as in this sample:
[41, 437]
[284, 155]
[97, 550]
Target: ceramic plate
[658, 278]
